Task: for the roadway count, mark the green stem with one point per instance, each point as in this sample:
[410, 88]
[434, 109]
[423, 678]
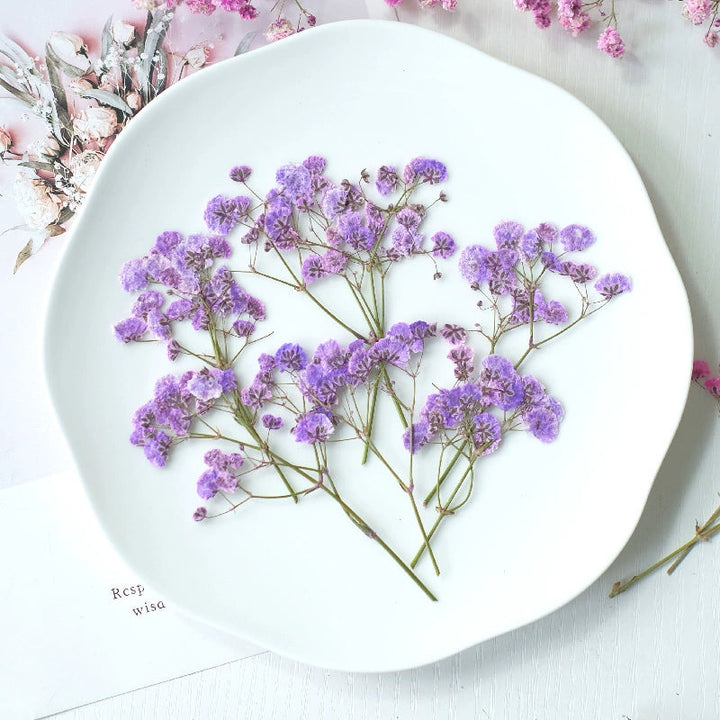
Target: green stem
[446, 472]
[682, 550]
[443, 512]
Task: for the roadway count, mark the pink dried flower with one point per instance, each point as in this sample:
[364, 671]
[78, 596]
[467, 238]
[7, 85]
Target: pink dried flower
[697, 11]
[279, 29]
[700, 369]
[712, 385]
[572, 17]
[611, 43]
[711, 38]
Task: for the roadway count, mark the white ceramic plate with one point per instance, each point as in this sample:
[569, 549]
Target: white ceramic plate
[545, 520]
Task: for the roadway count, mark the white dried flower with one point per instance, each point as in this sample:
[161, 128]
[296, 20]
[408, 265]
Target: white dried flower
[96, 123]
[47, 148]
[38, 206]
[83, 166]
[196, 57]
[122, 33]
[6, 140]
[79, 85]
[70, 48]
[134, 100]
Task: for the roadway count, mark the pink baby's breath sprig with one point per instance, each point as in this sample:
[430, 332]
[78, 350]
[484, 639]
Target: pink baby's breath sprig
[709, 383]
[576, 17]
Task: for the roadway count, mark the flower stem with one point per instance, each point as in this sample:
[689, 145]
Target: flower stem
[443, 512]
[702, 534]
[446, 472]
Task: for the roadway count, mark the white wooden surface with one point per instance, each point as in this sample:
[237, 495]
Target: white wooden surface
[653, 653]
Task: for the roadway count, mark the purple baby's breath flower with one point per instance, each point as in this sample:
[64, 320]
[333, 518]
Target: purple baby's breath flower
[244, 328]
[157, 447]
[223, 461]
[425, 170]
[454, 334]
[312, 269]
[130, 329]
[199, 514]
[204, 385]
[333, 262]
[315, 164]
[391, 350]
[290, 357]
[166, 243]
[159, 325]
[316, 427]
[272, 422]
[550, 261]
[443, 245]
[542, 423]
[207, 484]
[295, 180]
[222, 214]
[487, 432]
[147, 301]
[576, 237]
[473, 265]
[500, 383]
[360, 365]
[173, 350]
[613, 284]
[387, 180]
[530, 245]
[552, 312]
[256, 395]
[406, 242]
[240, 173]
[179, 309]
[408, 218]
[507, 234]
[134, 275]
[416, 436]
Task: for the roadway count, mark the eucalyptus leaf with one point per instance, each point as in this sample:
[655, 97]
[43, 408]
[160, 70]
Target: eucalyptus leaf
[246, 42]
[23, 255]
[15, 53]
[65, 214]
[152, 42]
[18, 93]
[65, 67]
[38, 165]
[106, 39]
[54, 76]
[104, 97]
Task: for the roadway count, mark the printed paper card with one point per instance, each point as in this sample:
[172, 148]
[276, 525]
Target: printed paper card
[77, 626]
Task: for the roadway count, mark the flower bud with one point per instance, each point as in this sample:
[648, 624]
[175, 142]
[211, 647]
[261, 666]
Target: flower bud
[78, 85]
[122, 33]
[70, 48]
[134, 100]
[196, 57]
[5, 140]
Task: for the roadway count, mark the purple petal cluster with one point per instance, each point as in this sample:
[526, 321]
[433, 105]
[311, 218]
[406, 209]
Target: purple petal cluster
[220, 476]
[176, 282]
[345, 227]
[222, 213]
[176, 402]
